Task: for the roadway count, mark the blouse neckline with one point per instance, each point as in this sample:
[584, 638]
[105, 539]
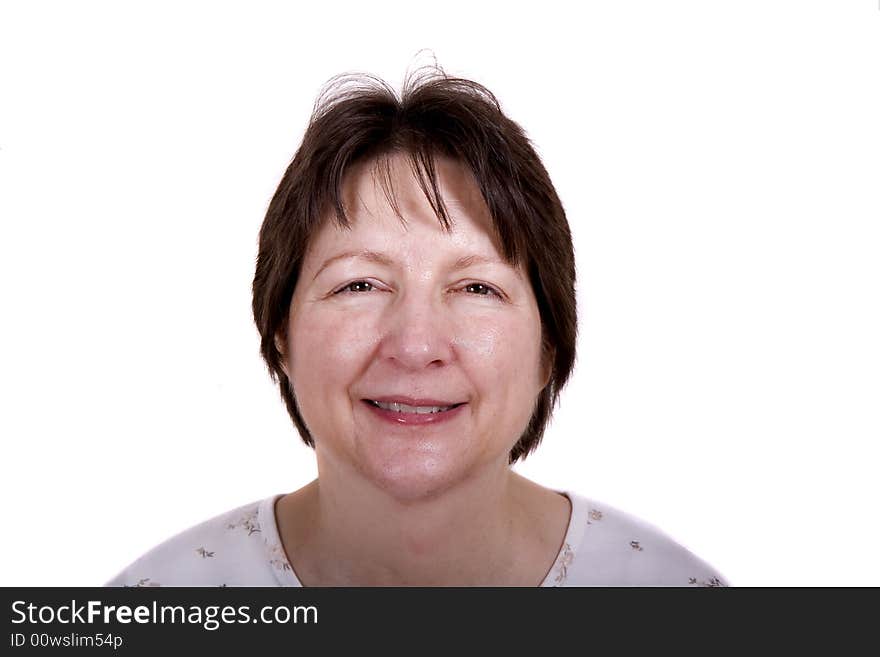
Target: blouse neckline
[286, 576]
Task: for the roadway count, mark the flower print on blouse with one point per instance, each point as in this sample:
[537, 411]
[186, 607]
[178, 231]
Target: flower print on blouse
[564, 560]
[248, 521]
[603, 546]
[712, 582]
[146, 582]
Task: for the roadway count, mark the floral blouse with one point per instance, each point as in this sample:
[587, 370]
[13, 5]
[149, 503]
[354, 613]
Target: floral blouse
[602, 547]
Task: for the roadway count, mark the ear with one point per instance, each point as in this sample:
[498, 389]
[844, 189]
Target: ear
[282, 349]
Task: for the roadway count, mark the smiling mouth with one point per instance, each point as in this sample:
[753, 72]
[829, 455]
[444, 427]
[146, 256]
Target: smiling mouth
[415, 410]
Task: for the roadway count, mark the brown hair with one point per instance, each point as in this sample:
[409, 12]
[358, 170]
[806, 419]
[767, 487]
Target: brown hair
[359, 117]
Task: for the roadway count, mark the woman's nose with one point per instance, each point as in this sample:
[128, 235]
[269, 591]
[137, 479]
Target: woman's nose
[416, 331]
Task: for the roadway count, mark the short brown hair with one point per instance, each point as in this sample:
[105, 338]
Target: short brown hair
[359, 117]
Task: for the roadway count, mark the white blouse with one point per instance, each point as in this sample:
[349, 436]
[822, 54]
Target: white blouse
[603, 547]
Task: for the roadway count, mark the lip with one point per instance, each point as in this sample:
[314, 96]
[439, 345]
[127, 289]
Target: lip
[414, 419]
[413, 401]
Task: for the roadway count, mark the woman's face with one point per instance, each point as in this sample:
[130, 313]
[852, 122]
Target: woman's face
[433, 317]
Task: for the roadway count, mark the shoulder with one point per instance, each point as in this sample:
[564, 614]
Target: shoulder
[609, 547]
[227, 550]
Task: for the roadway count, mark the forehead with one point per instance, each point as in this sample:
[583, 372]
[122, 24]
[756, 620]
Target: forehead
[372, 188]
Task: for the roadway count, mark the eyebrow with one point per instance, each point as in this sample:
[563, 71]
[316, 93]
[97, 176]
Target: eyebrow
[384, 259]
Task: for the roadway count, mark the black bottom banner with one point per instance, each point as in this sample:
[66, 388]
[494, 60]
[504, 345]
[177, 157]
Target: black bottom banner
[131, 620]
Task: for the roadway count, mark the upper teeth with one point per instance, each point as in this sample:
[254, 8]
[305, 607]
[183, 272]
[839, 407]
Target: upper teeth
[403, 408]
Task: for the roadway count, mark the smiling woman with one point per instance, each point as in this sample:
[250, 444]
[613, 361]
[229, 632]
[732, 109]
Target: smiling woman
[431, 318]
[415, 297]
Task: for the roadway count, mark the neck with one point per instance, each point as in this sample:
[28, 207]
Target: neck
[489, 530]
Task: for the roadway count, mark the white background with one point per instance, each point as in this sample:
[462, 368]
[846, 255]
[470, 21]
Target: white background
[720, 166]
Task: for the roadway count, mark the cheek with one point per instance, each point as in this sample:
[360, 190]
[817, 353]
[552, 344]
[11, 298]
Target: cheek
[482, 341]
[500, 356]
[328, 350]
[331, 348]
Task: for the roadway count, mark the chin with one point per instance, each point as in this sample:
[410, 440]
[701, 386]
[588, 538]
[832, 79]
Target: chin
[409, 482]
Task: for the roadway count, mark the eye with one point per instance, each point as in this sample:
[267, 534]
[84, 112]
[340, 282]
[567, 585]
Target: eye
[477, 289]
[482, 289]
[347, 289]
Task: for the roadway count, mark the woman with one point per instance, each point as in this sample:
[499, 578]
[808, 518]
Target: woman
[415, 295]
